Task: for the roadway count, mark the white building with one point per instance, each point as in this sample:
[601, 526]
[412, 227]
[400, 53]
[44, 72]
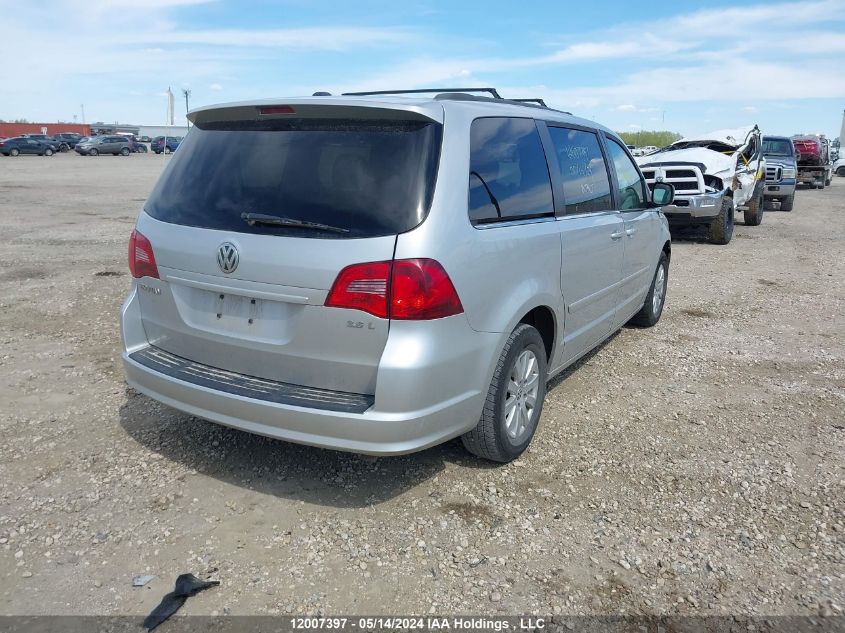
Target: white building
[162, 130]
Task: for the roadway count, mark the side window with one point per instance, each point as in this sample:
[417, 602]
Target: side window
[586, 185]
[508, 175]
[631, 191]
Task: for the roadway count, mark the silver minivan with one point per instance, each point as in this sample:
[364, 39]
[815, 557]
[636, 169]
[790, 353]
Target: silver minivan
[382, 273]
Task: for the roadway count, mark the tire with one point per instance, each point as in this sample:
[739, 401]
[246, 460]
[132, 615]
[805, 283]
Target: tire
[158, 152]
[786, 203]
[649, 314]
[497, 436]
[828, 181]
[753, 214]
[124, 151]
[64, 147]
[14, 152]
[93, 152]
[840, 171]
[722, 226]
[48, 152]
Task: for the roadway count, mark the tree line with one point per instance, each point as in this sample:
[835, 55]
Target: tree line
[642, 138]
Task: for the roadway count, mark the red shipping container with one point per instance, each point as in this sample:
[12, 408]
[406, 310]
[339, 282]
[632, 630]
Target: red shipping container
[8, 130]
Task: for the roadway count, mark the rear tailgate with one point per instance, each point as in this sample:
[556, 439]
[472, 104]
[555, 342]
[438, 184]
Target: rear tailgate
[249, 297]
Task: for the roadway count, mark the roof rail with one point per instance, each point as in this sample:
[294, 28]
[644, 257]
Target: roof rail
[460, 94]
[536, 100]
[491, 91]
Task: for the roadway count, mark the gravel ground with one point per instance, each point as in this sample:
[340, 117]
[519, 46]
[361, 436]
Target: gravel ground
[696, 467]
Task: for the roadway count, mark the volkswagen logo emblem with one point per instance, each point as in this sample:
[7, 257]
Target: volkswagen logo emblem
[227, 257]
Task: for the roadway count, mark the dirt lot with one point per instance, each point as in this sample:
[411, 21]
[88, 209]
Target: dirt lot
[693, 468]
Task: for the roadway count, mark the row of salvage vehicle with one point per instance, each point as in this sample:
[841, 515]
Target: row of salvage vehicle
[722, 173]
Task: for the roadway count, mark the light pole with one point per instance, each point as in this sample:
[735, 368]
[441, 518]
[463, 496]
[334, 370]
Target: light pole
[187, 93]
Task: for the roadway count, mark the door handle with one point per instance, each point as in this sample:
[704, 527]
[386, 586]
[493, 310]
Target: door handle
[630, 232]
[616, 236]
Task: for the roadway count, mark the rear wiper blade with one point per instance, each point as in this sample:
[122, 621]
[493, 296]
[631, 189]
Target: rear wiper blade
[489, 193]
[274, 220]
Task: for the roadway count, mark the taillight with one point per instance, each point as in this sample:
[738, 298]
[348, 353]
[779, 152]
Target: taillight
[142, 261]
[406, 289]
[362, 287]
[421, 289]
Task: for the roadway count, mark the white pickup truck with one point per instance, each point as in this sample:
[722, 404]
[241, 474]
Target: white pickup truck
[714, 176]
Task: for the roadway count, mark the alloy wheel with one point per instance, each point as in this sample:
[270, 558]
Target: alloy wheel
[521, 396]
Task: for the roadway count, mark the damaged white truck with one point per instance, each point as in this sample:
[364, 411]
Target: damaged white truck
[714, 175]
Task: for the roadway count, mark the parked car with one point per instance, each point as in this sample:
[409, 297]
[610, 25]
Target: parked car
[781, 170]
[839, 166]
[811, 150]
[133, 142]
[144, 139]
[68, 140]
[714, 176]
[44, 138]
[352, 273]
[158, 144]
[23, 145]
[104, 145]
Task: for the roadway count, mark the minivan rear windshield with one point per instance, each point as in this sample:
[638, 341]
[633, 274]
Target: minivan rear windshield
[368, 178]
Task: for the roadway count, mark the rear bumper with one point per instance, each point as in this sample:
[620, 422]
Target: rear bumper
[431, 387]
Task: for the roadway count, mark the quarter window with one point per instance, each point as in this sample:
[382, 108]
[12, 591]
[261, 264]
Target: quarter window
[631, 190]
[586, 186]
[508, 177]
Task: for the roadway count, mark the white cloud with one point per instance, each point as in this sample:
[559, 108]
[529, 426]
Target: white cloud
[737, 55]
[720, 54]
[746, 80]
[330, 38]
[415, 73]
[646, 45]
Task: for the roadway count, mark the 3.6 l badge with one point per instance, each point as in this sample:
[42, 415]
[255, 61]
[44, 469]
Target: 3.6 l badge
[358, 325]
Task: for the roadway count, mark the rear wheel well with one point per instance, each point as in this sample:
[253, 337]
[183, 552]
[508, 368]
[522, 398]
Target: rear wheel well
[667, 248]
[542, 319]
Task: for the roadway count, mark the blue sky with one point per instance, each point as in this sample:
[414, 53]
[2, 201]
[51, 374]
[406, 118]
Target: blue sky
[685, 66]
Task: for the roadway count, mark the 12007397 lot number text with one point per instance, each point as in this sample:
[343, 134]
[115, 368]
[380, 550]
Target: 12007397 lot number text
[318, 623]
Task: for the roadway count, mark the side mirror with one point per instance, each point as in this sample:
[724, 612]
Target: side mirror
[662, 194]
